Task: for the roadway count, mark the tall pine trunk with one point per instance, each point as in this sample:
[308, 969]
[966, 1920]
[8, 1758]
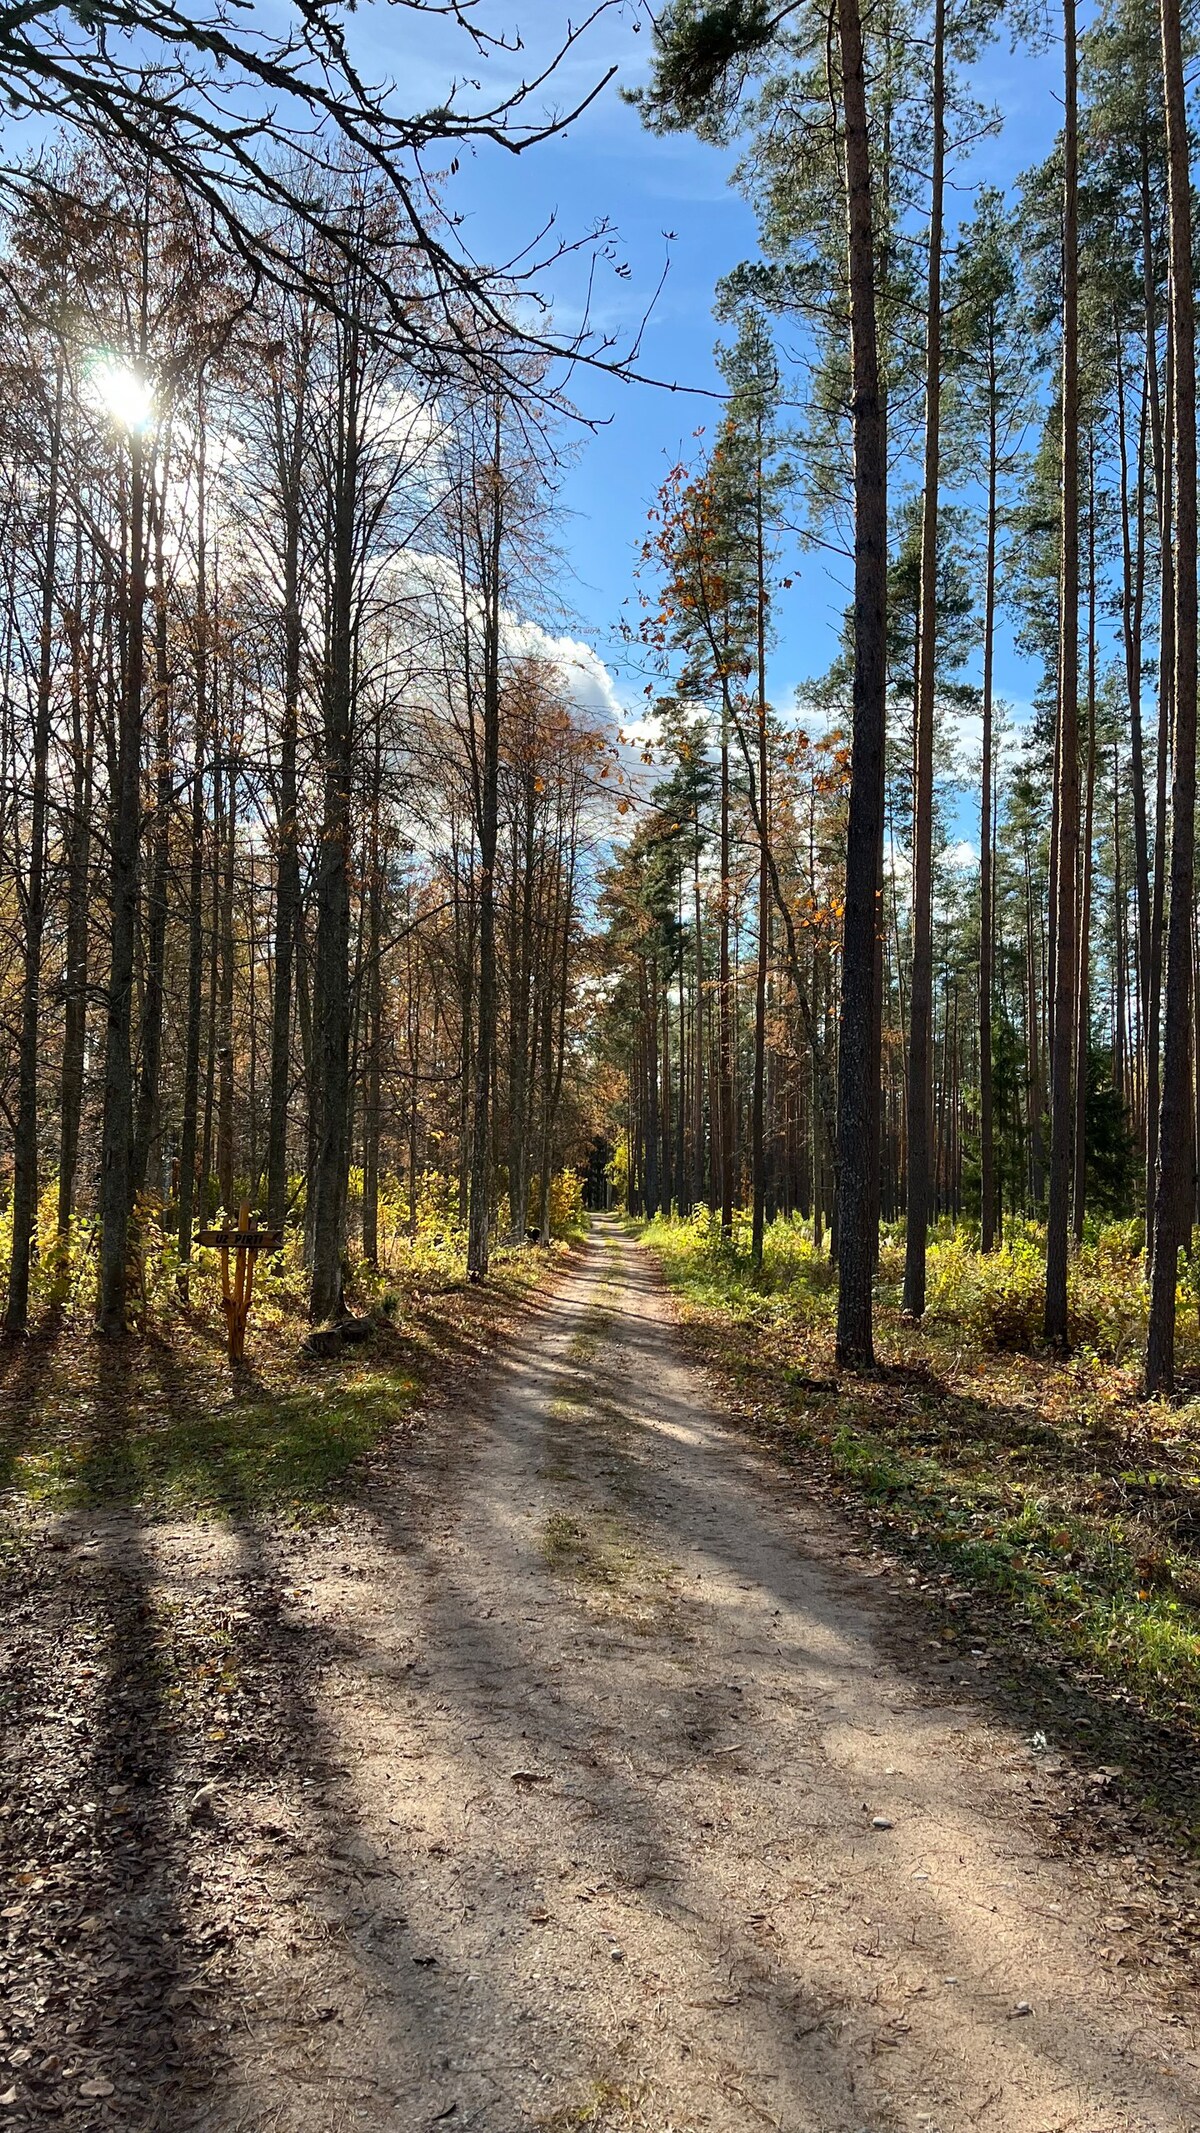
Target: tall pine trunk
[116, 1145]
[987, 921]
[757, 1133]
[330, 1089]
[331, 980]
[1066, 852]
[225, 992]
[287, 859]
[373, 1010]
[78, 934]
[1083, 1014]
[189, 1135]
[479, 1207]
[920, 1047]
[156, 897]
[25, 1138]
[1133, 558]
[858, 1056]
[1174, 1133]
[724, 994]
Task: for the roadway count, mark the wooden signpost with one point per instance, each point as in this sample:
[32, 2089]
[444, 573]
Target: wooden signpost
[247, 1241]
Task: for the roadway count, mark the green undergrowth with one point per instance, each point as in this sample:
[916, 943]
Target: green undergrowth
[289, 1452]
[421, 1240]
[161, 1422]
[1042, 1501]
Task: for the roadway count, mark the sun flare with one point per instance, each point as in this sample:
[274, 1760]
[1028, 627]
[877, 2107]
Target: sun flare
[123, 394]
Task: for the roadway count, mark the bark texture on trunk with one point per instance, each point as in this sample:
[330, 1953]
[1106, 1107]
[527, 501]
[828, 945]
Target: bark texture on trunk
[78, 932]
[920, 1029]
[25, 1138]
[987, 922]
[858, 1057]
[153, 995]
[116, 1147]
[1066, 852]
[330, 1085]
[725, 998]
[287, 857]
[1174, 1135]
[758, 1123]
[479, 1216]
[189, 1133]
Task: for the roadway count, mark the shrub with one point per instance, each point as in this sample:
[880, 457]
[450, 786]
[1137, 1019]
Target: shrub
[999, 1297]
[796, 1277]
[567, 1217]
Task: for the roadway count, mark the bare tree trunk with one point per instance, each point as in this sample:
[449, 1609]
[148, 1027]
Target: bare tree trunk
[555, 1045]
[1133, 556]
[757, 1140]
[329, 1179]
[372, 1095]
[698, 1016]
[413, 1041]
[1166, 714]
[464, 966]
[1083, 1016]
[479, 1213]
[858, 1057]
[1161, 452]
[920, 1046]
[1174, 1121]
[25, 1138]
[195, 965]
[650, 1025]
[116, 1148]
[521, 1014]
[74, 1051]
[1037, 1153]
[213, 891]
[156, 895]
[287, 865]
[987, 919]
[724, 994]
[228, 954]
[1062, 1056]
[1121, 973]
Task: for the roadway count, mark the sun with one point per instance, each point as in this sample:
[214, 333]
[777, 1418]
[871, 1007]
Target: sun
[123, 394]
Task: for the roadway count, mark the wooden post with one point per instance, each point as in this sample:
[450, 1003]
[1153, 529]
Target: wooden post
[247, 1240]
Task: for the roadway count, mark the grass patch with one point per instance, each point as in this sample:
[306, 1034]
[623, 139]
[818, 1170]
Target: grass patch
[1041, 1501]
[162, 1424]
[586, 1344]
[609, 2107]
[607, 1568]
[573, 1552]
[291, 1452]
[597, 1324]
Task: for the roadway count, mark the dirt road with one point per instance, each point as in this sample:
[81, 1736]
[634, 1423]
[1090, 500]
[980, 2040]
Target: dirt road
[607, 1809]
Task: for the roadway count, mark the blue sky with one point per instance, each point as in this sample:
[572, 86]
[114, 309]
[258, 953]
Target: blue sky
[607, 167]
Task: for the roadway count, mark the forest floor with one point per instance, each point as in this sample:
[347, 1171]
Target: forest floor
[581, 1769]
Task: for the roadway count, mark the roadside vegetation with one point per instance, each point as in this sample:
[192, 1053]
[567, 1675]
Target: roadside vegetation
[169, 1427]
[1040, 1499]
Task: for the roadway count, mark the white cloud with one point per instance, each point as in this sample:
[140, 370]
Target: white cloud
[585, 676]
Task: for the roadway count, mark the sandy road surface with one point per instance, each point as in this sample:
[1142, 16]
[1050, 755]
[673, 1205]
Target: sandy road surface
[607, 1807]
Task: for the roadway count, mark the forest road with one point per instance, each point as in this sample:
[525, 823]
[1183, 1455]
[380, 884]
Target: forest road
[623, 1818]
